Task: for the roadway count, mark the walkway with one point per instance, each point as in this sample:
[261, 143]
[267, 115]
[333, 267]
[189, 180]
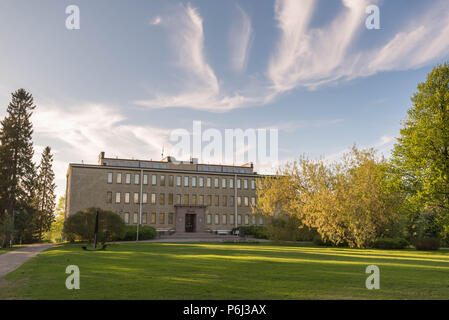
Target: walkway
[11, 260]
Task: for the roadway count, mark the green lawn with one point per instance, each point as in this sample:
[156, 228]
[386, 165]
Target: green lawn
[229, 271]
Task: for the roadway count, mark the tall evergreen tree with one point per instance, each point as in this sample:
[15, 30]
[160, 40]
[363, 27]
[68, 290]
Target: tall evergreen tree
[45, 199]
[17, 171]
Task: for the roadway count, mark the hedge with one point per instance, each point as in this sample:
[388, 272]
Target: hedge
[145, 233]
[391, 243]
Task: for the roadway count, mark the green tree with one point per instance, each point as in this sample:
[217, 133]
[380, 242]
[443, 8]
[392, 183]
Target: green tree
[55, 233]
[45, 197]
[81, 225]
[421, 154]
[17, 171]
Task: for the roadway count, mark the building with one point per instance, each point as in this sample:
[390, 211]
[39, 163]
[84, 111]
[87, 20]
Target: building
[167, 194]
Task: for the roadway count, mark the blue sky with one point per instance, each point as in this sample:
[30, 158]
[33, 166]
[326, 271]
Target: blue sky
[136, 70]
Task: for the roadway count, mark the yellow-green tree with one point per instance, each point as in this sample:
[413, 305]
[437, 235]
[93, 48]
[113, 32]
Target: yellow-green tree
[345, 202]
[55, 232]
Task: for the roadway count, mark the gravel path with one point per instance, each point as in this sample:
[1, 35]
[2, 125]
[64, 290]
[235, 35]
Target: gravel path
[11, 260]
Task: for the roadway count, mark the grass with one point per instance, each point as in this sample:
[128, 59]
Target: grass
[229, 271]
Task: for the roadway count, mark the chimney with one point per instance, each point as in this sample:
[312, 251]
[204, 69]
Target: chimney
[101, 157]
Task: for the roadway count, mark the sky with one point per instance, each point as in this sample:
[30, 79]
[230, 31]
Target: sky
[137, 70]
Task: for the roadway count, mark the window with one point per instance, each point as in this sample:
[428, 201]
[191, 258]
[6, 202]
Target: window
[178, 181]
[246, 201]
[162, 177]
[153, 218]
[201, 182]
[253, 184]
[201, 200]
[126, 217]
[186, 181]
[136, 178]
[193, 181]
[109, 197]
[216, 201]
[231, 201]
[246, 219]
[239, 185]
[186, 200]
[136, 197]
[209, 200]
[162, 199]
[239, 219]
[231, 183]
[260, 220]
[239, 201]
[144, 197]
[153, 198]
[216, 183]
[253, 219]
[126, 197]
[245, 184]
[223, 183]
[170, 181]
[128, 178]
[208, 219]
[170, 218]
[144, 218]
[153, 179]
[145, 179]
[170, 198]
[119, 177]
[135, 218]
[253, 201]
[217, 219]
[109, 177]
[162, 218]
[117, 197]
[208, 182]
[231, 219]
[224, 201]
[223, 219]
[194, 199]
[178, 199]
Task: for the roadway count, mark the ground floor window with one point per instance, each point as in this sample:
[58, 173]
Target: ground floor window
[161, 218]
[239, 219]
[135, 218]
[260, 220]
[208, 219]
[246, 219]
[253, 219]
[144, 218]
[126, 217]
[217, 219]
[170, 218]
[224, 219]
[153, 218]
[231, 219]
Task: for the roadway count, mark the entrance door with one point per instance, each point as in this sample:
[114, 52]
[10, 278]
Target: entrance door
[190, 222]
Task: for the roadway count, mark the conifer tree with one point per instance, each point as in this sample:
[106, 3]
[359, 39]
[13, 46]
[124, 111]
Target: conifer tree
[45, 199]
[17, 171]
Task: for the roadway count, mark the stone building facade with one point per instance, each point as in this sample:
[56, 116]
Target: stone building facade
[166, 194]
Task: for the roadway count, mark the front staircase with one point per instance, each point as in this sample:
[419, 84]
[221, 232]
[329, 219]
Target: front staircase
[199, 236]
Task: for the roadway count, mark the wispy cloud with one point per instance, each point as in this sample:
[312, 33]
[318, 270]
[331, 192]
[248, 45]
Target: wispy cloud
[304, 56]
[240, 39]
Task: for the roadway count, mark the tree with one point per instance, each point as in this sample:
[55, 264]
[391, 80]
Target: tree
[345, 202]
[17, 171]
[55, 233]
[81, 225]
[45, 194]
[421, 154]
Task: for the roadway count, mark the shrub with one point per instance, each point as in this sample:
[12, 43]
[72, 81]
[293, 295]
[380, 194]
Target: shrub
[391, 243]
[81, 226]
[319, 241]
[289, 229]
[427, 244]
[145, 233]
[256, 231]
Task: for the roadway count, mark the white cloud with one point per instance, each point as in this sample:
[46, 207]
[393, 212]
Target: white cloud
[80, 133]
[240, 38]
[157, 20]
